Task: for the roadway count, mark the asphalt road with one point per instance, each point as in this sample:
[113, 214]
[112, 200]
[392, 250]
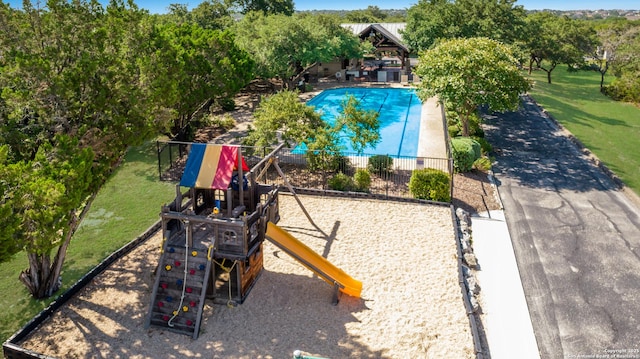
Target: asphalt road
[576, 239]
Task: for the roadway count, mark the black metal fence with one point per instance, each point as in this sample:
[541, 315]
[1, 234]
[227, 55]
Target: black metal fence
[313, 172]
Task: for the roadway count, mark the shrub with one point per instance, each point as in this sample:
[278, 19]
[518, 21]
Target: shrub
[225, 121]
[328, 161]
[227, 104]
[362, 180]
[625, 88]
[380, 165]
[484, 145]
[341, 182]
[465, 151]
[454, 131]
[430, 184]
[482, 164]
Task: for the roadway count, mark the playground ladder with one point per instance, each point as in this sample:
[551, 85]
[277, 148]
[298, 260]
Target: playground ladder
[177, 304]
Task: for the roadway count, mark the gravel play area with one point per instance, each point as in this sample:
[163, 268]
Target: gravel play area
[411, 304]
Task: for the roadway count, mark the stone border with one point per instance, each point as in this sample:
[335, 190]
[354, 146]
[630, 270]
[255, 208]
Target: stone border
[468, 283]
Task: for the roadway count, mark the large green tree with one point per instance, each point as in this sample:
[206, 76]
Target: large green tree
[554, 40]
[372, 14]
[80, 84]
[613, 34]
[285, 47]
[191, 66]
[468, 73]
[267, 7]
[622, 55]
[431, 20]
[213, 14]
[68, 71]
[428, 21]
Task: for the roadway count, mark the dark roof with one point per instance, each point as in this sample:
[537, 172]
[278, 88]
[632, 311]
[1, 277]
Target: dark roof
[391, 31]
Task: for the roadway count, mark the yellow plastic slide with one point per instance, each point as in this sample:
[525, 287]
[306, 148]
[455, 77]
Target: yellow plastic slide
[312, 260]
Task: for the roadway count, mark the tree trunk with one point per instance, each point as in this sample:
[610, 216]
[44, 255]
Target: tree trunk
[293, 82]
[603, 71]
[465, 126]
[553, 66]
[42, 278]
[35, 277]
[464, 118]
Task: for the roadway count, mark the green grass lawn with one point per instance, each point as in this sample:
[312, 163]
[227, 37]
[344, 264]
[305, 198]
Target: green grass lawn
[125, 207]
[610, 129]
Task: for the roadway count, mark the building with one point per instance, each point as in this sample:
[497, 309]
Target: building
[389, 62]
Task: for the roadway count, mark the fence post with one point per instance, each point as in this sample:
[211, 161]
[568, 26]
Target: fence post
[159, 161]
[450, 164]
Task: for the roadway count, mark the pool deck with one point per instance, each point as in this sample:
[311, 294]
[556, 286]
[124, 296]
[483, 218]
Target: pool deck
[431, 141]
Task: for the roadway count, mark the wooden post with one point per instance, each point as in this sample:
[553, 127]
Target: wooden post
[286, 182]
[240, 176]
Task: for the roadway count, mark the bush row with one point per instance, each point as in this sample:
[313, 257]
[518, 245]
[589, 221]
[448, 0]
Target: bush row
[430, 184]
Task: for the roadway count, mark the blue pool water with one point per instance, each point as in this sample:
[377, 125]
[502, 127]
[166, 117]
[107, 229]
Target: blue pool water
[399, 115]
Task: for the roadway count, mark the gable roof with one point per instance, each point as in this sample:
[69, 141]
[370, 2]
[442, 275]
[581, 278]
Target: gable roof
[391, 30]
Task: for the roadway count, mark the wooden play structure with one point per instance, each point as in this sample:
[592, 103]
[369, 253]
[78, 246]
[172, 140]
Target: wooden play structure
[213, 236]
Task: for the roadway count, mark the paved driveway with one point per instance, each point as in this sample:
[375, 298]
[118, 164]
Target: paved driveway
[576, 239]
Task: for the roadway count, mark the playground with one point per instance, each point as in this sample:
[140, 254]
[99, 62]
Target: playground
[410, 304]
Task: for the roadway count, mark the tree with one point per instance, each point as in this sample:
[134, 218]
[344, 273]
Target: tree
[191, 66]
[468, 73]
[283, 118]
[619, 39]
[67, 72]
[610, 39]
[429, 21]
[267, 7]
[213, 14]
[372, 14]
[360, 126]
[285, 47]
[622, 48]
[47, 200]
[557, 40]
[432, 20]
[499, 20]
[10, 176]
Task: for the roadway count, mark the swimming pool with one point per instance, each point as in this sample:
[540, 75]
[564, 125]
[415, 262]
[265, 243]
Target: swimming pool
[399, 115]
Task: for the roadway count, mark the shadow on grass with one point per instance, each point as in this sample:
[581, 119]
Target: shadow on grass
[573, 115]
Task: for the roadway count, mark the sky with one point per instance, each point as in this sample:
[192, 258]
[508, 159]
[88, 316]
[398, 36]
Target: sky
[160, 6]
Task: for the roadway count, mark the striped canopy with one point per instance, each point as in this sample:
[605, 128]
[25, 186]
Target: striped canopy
[211, 166]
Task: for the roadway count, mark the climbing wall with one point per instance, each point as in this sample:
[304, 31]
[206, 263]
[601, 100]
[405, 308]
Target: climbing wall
[180, 289]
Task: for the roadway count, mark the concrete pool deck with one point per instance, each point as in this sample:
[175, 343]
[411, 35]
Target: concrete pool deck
[431, 141]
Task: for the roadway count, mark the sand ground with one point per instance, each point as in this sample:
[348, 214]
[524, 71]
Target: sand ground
[411, 304]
